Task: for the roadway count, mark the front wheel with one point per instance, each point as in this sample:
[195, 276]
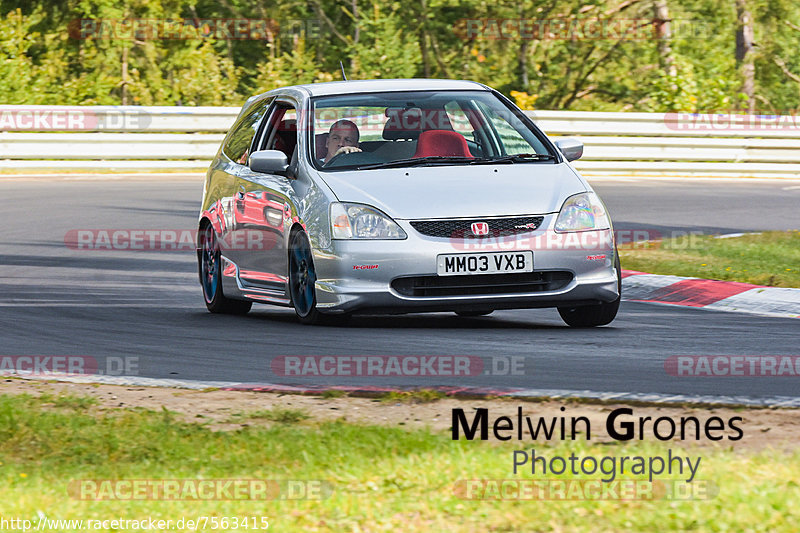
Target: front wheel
[211, 277]
[302, 278]
[589, 316]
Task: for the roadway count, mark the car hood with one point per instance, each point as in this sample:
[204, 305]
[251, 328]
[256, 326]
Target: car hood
[459, 191]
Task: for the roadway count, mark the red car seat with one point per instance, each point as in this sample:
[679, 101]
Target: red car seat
[442, 143]
[286, 137]
[320, 145]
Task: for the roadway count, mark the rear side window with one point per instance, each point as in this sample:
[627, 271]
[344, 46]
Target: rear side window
[238, 144]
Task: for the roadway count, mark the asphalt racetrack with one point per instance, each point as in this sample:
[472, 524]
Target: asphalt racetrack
[55, 300]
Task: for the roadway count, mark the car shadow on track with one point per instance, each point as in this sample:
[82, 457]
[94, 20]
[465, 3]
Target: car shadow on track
[524, 319]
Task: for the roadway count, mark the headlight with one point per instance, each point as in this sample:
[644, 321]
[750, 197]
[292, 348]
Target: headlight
[358, 221]
[582, 212]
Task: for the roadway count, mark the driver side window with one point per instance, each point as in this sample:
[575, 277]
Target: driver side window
[281, 131]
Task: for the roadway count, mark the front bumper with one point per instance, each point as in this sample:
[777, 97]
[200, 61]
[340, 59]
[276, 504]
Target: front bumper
[356, 276]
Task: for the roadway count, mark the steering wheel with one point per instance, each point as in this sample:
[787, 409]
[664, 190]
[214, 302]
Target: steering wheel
[332, 159]
[337, 156]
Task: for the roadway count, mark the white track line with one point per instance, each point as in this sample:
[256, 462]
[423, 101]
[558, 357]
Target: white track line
[770, 401]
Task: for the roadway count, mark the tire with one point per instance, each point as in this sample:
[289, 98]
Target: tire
[209, 267]
[467, 314]
[589, 316]
[302, 278]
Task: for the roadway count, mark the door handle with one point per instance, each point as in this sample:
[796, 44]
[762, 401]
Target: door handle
[240, 199]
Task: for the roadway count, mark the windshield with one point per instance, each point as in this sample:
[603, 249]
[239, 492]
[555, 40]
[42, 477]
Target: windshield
[406, 129]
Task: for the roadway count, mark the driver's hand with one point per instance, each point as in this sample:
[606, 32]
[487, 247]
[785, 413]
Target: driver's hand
[347, 150]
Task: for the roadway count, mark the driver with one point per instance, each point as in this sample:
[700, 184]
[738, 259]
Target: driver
[342, 139]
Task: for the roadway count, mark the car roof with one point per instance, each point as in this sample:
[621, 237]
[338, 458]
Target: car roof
[368, 86]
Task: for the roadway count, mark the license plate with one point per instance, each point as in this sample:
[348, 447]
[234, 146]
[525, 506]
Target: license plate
[489, 263]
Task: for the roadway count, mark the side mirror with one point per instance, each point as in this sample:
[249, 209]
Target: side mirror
[571, 148]
[269, 162]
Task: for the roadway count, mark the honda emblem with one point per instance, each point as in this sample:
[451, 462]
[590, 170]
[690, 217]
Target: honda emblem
[480, 228]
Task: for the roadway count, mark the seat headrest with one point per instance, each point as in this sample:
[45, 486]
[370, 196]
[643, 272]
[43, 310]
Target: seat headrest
[402, 124]
[288, 124]
[442, 143]
[286, 137]
[320, 142]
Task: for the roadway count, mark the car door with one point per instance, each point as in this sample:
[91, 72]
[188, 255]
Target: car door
[263, 205]
[235, 149]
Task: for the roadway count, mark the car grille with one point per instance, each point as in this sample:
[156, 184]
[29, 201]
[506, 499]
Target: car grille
[462, 228]
[478, 284]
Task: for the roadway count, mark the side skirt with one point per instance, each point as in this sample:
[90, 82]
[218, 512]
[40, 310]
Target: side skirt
[234, 287]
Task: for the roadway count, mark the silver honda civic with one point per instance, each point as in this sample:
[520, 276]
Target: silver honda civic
[401, 196]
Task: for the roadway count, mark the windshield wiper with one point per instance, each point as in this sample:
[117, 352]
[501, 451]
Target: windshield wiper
[420, 162]
[516, 158]
[436, 159]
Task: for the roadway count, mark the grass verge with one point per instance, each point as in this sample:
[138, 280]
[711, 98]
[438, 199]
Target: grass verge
[412, 396]
[276, 414]
[769, 258]
[383, 478]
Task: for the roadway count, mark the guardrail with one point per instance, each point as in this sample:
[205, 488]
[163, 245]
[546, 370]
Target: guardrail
[683, 144]
[132, 137]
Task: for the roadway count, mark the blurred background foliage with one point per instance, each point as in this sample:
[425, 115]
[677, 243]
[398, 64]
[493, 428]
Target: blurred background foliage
[690, 55]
